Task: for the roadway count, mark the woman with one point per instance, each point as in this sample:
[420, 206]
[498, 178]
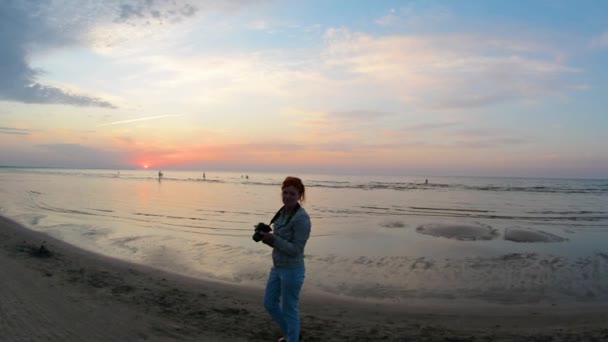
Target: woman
[291, 231]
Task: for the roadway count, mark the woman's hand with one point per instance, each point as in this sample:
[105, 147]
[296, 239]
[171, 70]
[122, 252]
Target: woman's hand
[268, 238]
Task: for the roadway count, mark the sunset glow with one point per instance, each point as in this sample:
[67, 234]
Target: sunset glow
[409, 87]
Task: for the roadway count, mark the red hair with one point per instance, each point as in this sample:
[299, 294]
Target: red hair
[296, 183]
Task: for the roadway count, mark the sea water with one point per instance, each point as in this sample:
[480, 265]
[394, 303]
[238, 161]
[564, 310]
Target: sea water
[378, 238]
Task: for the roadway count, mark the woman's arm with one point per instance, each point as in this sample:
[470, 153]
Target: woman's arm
[301, 228]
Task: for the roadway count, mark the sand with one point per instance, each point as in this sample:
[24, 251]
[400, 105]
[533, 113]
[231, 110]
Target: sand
[517, 234]
[62, 293]
[464, 232]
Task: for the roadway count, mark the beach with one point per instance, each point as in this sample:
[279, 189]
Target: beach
[63, 293]
[130, 258]
[379, 239]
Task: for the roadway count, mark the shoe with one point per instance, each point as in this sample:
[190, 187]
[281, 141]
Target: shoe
[284, 339]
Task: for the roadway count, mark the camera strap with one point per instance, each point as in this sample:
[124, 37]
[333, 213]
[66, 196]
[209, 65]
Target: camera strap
[293, 212]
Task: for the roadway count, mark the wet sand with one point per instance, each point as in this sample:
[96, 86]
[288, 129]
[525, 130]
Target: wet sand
[62, 293]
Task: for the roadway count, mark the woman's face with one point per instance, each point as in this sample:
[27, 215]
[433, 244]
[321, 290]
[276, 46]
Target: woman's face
[290, 195]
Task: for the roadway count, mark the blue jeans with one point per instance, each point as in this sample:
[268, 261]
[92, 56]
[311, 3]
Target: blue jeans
[281, 299]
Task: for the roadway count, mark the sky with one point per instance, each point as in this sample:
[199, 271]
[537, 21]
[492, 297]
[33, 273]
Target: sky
[478, 88]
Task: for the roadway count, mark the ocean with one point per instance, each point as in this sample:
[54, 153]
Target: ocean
[374, 238]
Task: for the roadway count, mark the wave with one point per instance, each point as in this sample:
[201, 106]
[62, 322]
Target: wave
[579, 212]
[452, 209]
[423, 187]
[171, 219]
[542, 216]
[502, 185]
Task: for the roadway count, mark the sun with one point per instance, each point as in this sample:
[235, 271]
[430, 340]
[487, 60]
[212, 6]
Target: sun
[146, 166]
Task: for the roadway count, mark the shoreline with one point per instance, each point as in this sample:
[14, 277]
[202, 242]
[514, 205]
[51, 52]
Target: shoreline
[71, 294]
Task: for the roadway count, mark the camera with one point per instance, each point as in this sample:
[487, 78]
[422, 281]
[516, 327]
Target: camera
[260, 228]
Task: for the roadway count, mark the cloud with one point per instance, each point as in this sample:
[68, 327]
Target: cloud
[449, 71]
[22, 30]
[267, 146]
[388, 20]
[490, 142]
[31, 27]
[139, 119]
[259, 25]
[344, 119]
[14, 131]
[358, 70]
[600, 41]
[431, 126]
[264, 152]
[154, 10]
[412, 16]
[359, 115]
[76, 155]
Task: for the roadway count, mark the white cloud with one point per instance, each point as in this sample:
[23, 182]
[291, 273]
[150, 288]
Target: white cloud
[413, 16]
[448, 71]
[139, 119]
[357, 70]
[388, 20]
[600, 41]
[259, 25]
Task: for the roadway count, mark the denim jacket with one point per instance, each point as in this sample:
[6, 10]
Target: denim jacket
[290, 239]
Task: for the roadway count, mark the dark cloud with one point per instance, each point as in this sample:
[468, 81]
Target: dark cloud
[24, 29]
[28, 27]
[159, 10]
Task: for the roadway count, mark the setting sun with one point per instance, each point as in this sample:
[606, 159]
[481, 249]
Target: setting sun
[146, 166]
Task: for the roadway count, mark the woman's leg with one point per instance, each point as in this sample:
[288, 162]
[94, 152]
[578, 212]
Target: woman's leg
[272, 299]
[292, 280]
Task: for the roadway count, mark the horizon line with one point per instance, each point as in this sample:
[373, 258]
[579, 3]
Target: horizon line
[337, 173]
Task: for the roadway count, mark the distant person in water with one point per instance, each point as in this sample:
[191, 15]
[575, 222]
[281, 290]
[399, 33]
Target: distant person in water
[160, 175]
[203, 175]
[291, 231]
[426, 182]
